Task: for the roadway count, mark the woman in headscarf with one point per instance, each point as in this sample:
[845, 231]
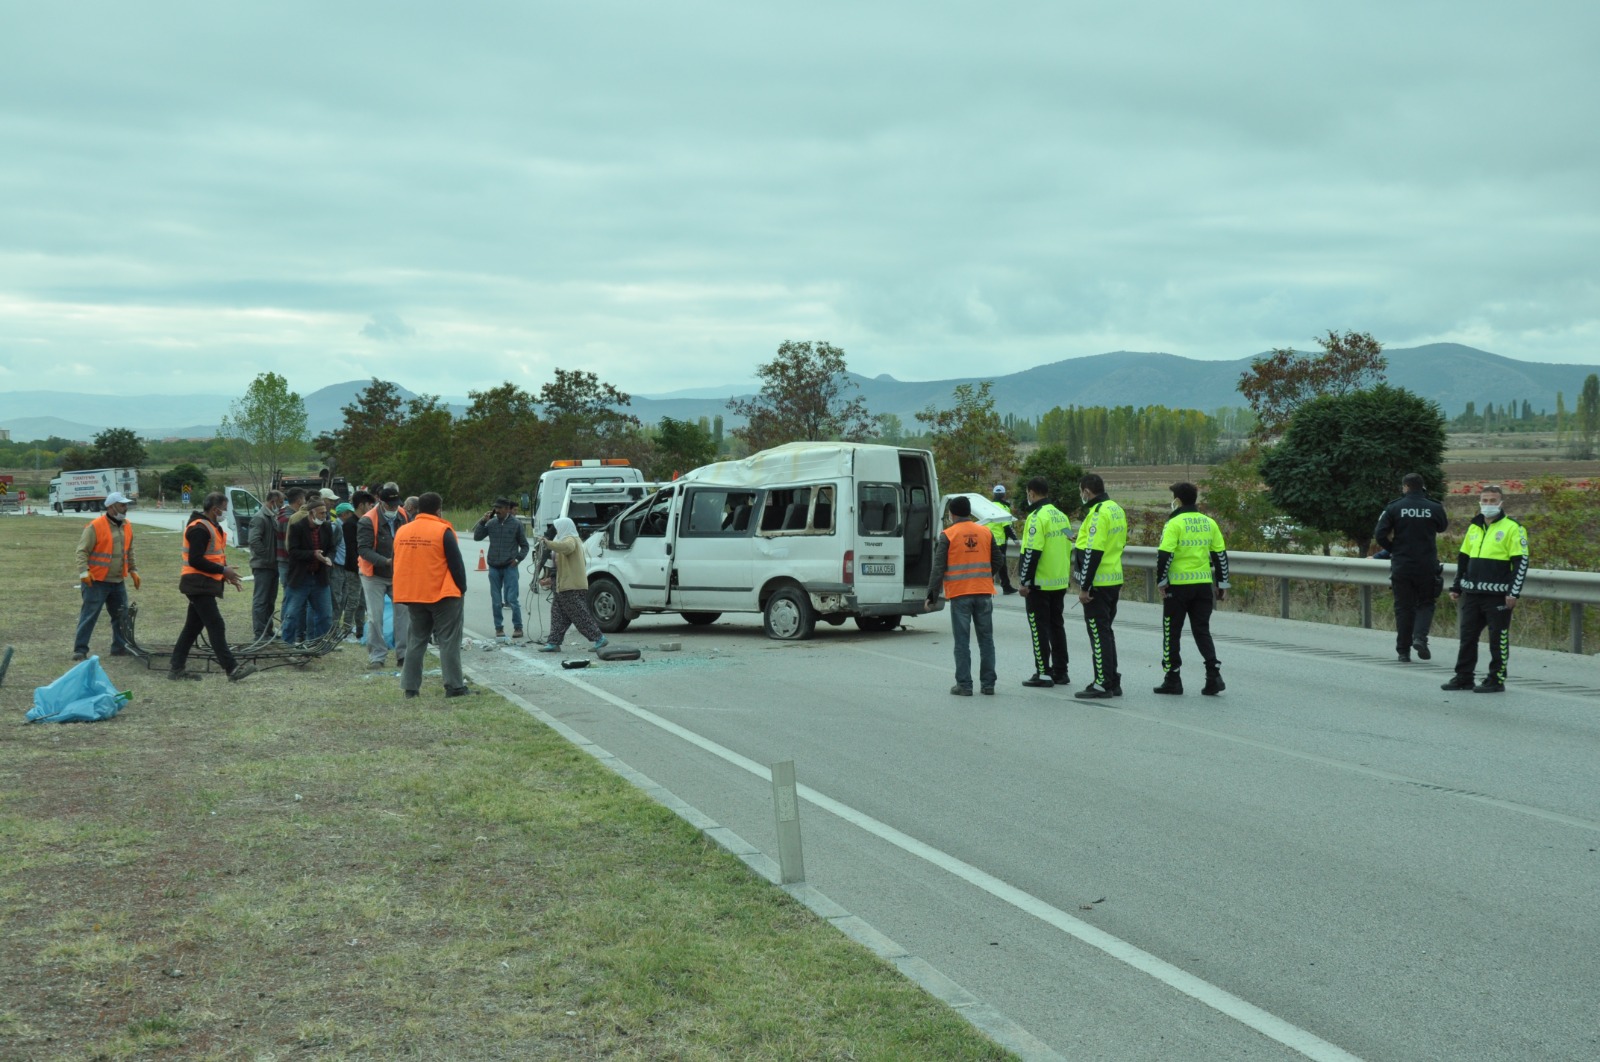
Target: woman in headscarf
[570, 606]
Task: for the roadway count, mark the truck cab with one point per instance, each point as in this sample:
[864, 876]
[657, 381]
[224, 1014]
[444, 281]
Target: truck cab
[550, 496]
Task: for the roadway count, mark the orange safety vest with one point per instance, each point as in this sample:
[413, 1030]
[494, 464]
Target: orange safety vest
[216, 553]
[421, 575]
[969, 569]
[100, 555]
[375, 514]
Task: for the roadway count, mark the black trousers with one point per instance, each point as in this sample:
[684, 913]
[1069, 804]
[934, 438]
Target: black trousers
[1098, 616]
[1475, 612]
[1414, 599]
[1047, 629]
[1194, 603]
[204, 614]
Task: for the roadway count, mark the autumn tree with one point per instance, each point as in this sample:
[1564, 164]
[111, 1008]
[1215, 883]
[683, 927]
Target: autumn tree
[365, 441]
[268, 425]
[971, 447]
[802, 398]
[1279, 383]
[1341, 457]
[118, 448]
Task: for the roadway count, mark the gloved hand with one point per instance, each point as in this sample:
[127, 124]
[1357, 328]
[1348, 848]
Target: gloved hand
[136, 580]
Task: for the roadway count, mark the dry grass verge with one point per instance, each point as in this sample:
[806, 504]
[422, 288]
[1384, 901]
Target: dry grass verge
[305, 865]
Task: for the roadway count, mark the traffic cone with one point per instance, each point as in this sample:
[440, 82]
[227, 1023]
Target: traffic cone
[483, 565]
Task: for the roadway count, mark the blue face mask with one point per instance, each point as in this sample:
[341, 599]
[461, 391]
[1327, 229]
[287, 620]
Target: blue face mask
[1490, 512]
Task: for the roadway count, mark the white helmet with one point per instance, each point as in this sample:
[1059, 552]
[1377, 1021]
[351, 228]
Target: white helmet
[999, 488]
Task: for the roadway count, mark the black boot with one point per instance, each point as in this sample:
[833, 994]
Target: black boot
[1173, 683]
[1214, 684]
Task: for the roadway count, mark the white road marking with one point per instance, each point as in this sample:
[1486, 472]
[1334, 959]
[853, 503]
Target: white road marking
[1248, 1014]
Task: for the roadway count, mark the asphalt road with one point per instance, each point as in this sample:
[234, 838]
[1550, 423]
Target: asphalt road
[1334, 858]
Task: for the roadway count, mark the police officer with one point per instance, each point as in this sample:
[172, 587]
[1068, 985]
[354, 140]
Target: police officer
[1098, 569]
[1489, 575]
[1044, 571]
[1406, 534]
[1191, 559]
[1002, 532]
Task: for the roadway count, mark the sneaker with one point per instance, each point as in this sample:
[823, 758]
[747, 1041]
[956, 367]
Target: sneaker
[182, 674]
[1404, 655]
[241, 671]
[1459, 682]
[550, 647]
[1489, 685]
[1214, 684]
[988, 691]
[1423, 652]
[1091, 692]
[377, 665]
[602, 643]
[517, 634]
[1039, 682]
[78, 656]
[961, 691]
[462, 691]
[1173, 683]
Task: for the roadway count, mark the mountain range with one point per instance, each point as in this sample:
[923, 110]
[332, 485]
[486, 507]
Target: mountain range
[1448, 373]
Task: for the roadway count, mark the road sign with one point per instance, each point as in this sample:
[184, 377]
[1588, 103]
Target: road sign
[22, 495]
[5, 489]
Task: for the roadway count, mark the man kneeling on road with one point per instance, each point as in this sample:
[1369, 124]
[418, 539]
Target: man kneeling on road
[965, 560]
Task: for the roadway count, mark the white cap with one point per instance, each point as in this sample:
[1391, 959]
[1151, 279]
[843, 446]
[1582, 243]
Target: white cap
[117, 498]
[328, 495]
[999, 488]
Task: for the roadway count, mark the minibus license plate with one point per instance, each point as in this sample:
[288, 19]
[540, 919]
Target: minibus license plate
[882, 568]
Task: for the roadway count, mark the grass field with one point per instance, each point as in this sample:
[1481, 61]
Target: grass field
[305, 865]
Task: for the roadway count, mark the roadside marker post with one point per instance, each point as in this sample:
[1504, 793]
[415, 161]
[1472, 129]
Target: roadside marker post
[786, 809]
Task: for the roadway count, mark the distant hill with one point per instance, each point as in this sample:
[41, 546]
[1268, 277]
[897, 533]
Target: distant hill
[1448, 373]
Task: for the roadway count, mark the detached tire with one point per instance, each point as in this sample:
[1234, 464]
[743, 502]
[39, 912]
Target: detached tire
[609, 604]
[789, 616]
[702, 619]
[877, 623]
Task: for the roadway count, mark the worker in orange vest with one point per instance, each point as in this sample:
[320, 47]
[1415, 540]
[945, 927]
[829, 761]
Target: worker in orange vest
[965, 560]
[105, 564]
[201, 579]
[375, 562]
[429, 581]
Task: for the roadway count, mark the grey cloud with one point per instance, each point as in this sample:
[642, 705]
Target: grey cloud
[387, 328]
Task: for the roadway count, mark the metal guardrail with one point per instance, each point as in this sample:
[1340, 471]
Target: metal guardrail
[1573, 588]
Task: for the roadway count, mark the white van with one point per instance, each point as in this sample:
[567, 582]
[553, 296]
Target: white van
[798, 533]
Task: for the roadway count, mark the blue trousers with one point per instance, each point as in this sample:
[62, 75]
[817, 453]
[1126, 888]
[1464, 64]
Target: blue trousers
[114, 598]
[968, 612]
[503, 591]
[307, 612]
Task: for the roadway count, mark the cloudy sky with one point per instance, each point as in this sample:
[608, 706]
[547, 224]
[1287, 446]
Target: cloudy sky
[451, 196]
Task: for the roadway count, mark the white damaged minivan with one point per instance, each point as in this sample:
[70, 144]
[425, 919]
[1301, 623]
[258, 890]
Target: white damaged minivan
[801, 532]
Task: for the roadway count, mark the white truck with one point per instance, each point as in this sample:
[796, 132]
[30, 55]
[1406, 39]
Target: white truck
[801, 532]
[550, 497]
[87, 490]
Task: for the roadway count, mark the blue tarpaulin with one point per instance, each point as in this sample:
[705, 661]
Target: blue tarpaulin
[83, 695]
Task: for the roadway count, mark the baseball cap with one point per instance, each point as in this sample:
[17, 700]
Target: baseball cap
[999, 488]
[343, 507]
[328, 495]
[116, 497]
[389, 495]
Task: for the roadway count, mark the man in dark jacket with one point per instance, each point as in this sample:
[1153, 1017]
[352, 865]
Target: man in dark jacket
[1406, 533]
[204, 573]
[375, 532]
[349, 607]
[508, 545]
[311, 544]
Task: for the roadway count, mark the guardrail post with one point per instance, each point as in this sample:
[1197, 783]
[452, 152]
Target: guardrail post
[1366, 607]
[1577, 628]
[786, 808]
[1283, 597]
[1150, 584]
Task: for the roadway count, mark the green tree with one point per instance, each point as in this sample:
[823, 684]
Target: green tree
[971, 447]
[1342, 456]
[802, 398]
[497, 445]
[890, 430]
[268, 425]
[583, 417]
[1278, 384]
[360, 448]
[118, 448]
[76, 457]
[421, 457]
[680, 447]
[1059, 470]
[180, 476]
[1588, 426]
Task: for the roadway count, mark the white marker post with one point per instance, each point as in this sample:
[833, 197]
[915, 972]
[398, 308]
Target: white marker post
[786, 808]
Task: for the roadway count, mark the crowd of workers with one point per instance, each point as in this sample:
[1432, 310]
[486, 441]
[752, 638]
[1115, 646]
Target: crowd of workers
[338, 565]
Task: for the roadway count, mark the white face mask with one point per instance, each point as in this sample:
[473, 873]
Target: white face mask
[1489, 511]
[1176, 505]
